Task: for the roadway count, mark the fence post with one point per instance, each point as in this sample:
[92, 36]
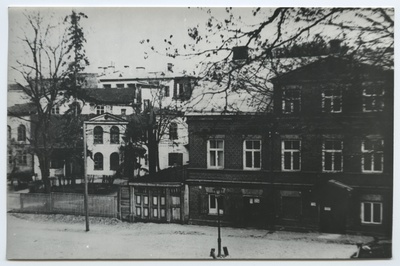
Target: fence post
[21, 201]
[51, 202]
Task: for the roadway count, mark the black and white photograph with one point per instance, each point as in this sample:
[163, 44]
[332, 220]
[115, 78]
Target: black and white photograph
[199, 133]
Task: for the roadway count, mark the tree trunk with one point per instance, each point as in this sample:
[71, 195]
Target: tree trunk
[45, 171]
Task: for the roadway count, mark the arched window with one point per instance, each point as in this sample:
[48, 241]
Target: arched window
[98, 161]
[114, 135]
[173, 131]
[114, 161]
[98, 135]
[21, 133]
[9, 132]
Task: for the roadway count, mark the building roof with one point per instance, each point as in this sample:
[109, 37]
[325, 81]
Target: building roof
[109, 96]
[22, 109]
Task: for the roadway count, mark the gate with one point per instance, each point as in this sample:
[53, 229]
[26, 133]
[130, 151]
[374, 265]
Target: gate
[125, 203]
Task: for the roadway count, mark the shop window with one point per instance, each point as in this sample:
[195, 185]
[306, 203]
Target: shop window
[215, 203]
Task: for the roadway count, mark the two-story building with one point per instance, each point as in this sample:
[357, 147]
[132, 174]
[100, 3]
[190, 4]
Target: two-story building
[322, 160]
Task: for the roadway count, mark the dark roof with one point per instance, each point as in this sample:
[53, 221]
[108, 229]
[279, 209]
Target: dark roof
[14, 87]
[109, 96]
[22, 109]
[169, 175]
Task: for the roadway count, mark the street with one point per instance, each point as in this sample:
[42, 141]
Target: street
[63, 237]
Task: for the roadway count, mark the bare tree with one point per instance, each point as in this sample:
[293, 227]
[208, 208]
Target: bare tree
[262, 33]
[48, 64]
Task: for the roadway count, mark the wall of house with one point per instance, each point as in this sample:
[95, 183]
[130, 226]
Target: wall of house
[106, 148]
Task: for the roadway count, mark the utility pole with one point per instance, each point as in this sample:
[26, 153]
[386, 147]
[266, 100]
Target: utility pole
[85, 178]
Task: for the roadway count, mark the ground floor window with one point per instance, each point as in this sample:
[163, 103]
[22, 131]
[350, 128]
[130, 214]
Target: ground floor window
[371, 212]
[215, 203]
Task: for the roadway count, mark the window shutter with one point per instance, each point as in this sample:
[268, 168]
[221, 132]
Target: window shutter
[203, 203]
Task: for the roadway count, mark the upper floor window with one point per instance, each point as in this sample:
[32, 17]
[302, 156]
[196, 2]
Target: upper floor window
[55, 110]
[373, 99]
[371, 212]
[182, 89]
[107, 86]
[332, 100]
[332, 157]
[372, 156]
[146, 104]
[173, 131]
[114, 135]
[98, 161]
[252, 154]
[100, 109]
[291, 100]
[21, 133]
[98, 135]
[114, 161]
[291, 155]
[120, 85]
[215, 153]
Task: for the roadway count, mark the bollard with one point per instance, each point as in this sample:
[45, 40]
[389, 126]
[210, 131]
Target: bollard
[212, 253]
[226, 253]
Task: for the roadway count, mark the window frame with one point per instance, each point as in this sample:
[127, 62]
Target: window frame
[216, 151]
[117, 162]
[292, 151]
[97, 137]
[252, 151]
[96, 164]
[332, 97]
[373, 152]
[214, 211]
[173, 131]
[114, 135]
[332, 151]
[372, 210]
[55, 110]
[100, 109]
[291, 100]
[21, 133]
[377, 98]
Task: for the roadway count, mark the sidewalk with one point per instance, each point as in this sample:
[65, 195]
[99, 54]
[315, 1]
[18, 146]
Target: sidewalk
[64, 237]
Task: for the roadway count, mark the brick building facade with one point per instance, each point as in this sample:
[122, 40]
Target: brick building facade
[323, 160]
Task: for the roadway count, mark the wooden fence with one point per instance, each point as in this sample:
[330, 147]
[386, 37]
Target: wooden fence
[67, 203]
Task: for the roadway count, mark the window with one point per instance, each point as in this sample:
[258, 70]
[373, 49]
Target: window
[175, 158]
[10, 156]
[98, 135]
[98, 161]
[155, 213]
[371, 212]
[21, 133]
[9, 132]
[138, 199]
[107, 86]
[332, 158]
[372, 156]
[162, 213]
[146, 104]
[55, 110]
[145, 200]
[332, 100]
[100, 109]
[373, 99]
[162, 201]
[166, 91]
[120, 85]
[146, 212]
[123, 111]
[291, 101]
[291, 155]
[114, 161]
[214, 203]
[114, 135]
[173, 131]
[182, 89]
[22, 157]
[252, 154]
[215, 153]
[155, 200]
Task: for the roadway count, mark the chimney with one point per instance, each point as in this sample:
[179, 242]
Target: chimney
[334, 46]
[140, 71]
[240, 53]
[170, 67]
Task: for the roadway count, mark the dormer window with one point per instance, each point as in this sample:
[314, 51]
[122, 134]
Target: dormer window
[100, 109]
